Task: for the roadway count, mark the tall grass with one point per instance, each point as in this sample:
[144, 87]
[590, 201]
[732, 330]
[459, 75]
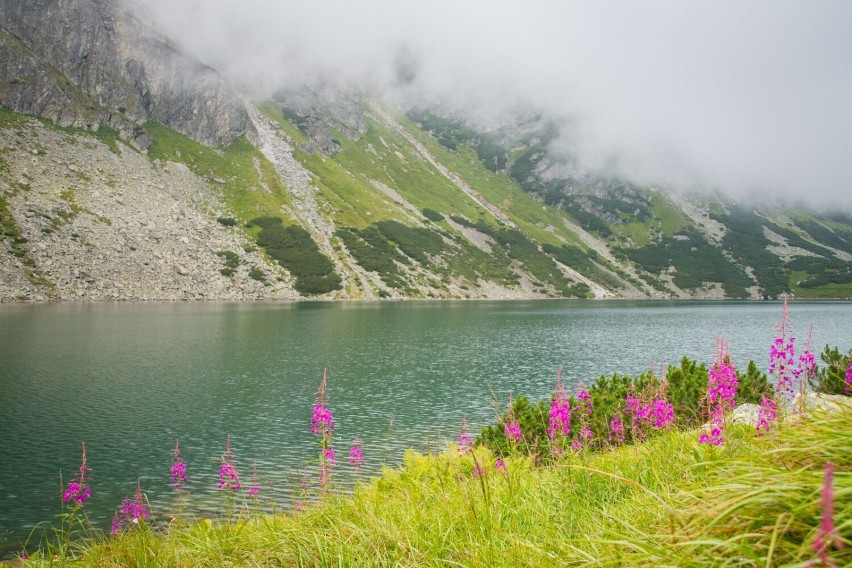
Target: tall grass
[669, 501]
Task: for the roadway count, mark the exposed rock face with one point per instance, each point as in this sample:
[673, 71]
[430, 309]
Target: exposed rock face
[97, 225]
[90, 62]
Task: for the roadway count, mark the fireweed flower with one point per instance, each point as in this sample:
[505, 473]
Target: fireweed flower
[662, 412]
[512, 430]
[713, 437]
[178, 477]
[78, 492]
[465, 445]
[254, 488]
[584, 409]
[722, 386]
[766, 414]
[500, 466]
[827, 533]
[322, 424]
[322, 421]
[805, 371]
[559, 422]
[848, 388]
[229, 478]
[131, 511]
[328, 454]
[477, 471]
[356, 456]
[616, 430]
[782, 357]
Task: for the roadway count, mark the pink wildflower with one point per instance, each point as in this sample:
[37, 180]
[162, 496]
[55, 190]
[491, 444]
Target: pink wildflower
[806, 370]
[512, 430]
[500, 466]
[131, 511]
[322, 424]
[848, 387]
[254, 488]
[826, 533]
[178, 477]
[356, 456]
[117, 521]
[477, 471]
[766, 414]
[322, 420]
[228, 476]
[721, 392]
[465, 444]
[714, 437]
[328, 454]
[722, 382]
[616, 430]
[584, 409]
[560, 411]
[78, 492]
[782, 357]
[662, 412]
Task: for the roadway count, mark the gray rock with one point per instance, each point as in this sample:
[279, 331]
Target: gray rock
[86, 63]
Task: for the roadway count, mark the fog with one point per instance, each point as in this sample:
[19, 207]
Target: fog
[751, 98]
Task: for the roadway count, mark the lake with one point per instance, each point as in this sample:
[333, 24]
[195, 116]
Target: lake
[128, 379]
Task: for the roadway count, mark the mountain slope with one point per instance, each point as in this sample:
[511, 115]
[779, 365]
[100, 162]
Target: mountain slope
[153, 180]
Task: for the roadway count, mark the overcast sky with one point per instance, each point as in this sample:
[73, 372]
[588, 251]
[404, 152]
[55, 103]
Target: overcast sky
[752, 97]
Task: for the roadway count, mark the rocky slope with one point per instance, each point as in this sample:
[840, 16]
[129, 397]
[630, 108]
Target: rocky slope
[89, 223]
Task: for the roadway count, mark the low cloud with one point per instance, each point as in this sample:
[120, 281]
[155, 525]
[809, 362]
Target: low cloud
[747, 97]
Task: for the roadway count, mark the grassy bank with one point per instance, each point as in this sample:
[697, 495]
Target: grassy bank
[667, 501]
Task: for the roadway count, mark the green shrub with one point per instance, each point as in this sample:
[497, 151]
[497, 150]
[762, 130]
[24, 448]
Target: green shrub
[685, 387]
[753, 386]
[230, 258]
[257, 274]
[374, 253]
[831, 379]
[295, 250]
[432, 215]
[227, 221]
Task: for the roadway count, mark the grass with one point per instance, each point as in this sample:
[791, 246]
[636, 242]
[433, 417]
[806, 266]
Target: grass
[666, 502]
[251, 187]
[543, 222]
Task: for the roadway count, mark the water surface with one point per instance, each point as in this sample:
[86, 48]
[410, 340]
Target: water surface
[128, 379]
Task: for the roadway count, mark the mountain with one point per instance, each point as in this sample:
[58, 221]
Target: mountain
[130, 170]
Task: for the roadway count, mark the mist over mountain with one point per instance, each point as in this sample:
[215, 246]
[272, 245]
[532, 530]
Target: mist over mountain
[282, 151]
[748, 98]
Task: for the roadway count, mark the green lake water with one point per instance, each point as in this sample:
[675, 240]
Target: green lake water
[128, 379]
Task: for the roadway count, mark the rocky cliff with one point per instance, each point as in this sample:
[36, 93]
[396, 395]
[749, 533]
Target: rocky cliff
[90, 62]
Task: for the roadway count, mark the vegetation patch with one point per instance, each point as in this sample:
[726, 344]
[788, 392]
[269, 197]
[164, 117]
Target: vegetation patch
[518, 247]
[374, 253]
[746, 242]
[230, 259]
[695, 261]
[583, 262]
[295, 250]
